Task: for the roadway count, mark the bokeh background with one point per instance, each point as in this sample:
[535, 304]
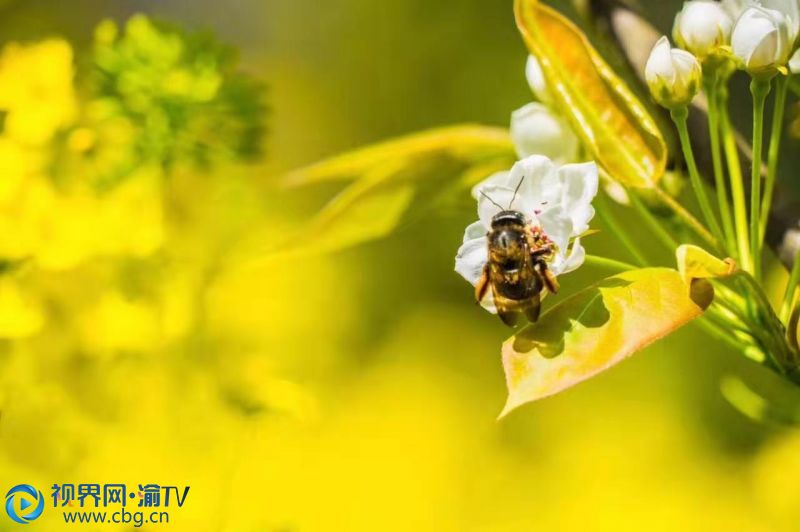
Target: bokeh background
[147, 337]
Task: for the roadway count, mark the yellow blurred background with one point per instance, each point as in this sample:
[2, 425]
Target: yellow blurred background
[147, 336]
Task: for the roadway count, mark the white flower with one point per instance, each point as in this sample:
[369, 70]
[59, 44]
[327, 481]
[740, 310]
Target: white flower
[536, 81]
[673, 75]
[735, 8]
[790, 8]
[794, 63]
[702, 27]
[558, 200]
[536, 130]
[762, 40]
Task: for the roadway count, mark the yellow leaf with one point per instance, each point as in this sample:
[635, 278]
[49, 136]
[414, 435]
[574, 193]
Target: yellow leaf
[696, 263]
[612, 123]
[596, 329]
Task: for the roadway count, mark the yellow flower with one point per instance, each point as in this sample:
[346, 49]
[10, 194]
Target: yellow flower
[118, 324]
[20, 313]
[36, 89]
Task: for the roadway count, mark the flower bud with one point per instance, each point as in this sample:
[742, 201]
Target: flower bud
[673, 75]
[794, 63]
[702, 27]
[735, 8]
[535, 77]
[762, 40]
[790, 8]
[535, 130]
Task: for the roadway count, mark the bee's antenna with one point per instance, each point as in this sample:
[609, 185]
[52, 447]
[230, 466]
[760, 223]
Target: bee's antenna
[482, 193]
[515, 192]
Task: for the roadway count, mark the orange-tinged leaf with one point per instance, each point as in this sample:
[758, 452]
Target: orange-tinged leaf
[596, 329]
[612, 123]
[696, 263]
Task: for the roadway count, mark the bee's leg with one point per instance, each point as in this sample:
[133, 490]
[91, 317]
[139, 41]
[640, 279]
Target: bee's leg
[543, 251]
[534, 309]
[510, 318]
[483, 285]
[550, 280]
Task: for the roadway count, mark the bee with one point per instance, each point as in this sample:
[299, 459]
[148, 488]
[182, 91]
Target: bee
[517, 270]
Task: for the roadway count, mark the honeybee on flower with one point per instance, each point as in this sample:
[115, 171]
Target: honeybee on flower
[528, 234]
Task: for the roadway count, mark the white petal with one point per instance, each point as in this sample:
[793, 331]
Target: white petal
[659, 65]
[790, 8]
[557, 225]
[766, 52]
[471, 259]
[540, 185]
[535, 76]
[579, 184]
[703, 26]
[576, 258]
[735, 8]
[496, 199]
[794, 63]
[474, 230]
[762, 38]
[499, 178]
[537, 131]
[488, 302]
[687, 67]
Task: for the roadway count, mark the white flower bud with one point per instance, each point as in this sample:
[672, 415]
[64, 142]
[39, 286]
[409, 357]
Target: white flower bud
[794, 63]
[673, 75]
[535, 130]
[762, 40]
[790, 8]
[702, 27]
[535, 76]
[735, 8]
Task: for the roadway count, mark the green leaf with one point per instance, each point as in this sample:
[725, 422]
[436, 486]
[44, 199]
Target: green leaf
[612, 123]
[467, 142]
[392, 177]
[696, 263]
[793, 330]
[596, 329]
[369, 209]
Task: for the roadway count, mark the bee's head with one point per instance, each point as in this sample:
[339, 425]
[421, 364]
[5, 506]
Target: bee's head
[506, 218]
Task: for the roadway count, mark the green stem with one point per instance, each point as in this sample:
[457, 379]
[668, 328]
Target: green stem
[720, 332]
[781, 91]
[760, 90]
[619, 232]
[611, 264]
[679, 116]
[737, 180]
[791, 291]
[655, 225]
[712, 88]
[687, 217]
[771, 332]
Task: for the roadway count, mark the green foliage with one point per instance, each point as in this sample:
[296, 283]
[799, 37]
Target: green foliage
[179, 90]
[389, 176]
